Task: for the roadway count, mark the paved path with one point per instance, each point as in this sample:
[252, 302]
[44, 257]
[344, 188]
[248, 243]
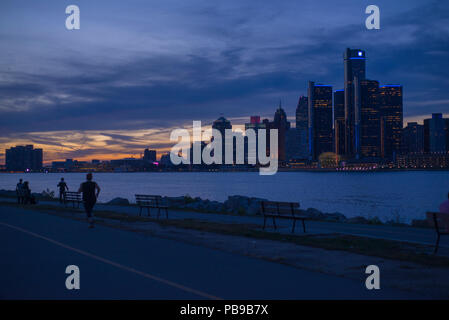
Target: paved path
[35, 249]
[409, 234]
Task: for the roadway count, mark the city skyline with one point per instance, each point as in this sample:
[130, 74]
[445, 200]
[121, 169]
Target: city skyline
[54, 97]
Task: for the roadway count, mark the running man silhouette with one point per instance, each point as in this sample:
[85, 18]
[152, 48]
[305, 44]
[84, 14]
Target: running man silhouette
[62, 188]
[90, 190]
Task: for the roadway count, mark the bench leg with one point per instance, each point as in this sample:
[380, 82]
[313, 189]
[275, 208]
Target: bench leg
[148, 212]
[437, 244]
[264, 222]
[158, 212]
[274, 223]
[294, 224]
[303, 225]
[166, 212]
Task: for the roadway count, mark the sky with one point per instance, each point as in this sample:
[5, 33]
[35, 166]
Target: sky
[138, 69]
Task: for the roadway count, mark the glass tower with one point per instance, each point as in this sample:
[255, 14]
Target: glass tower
[320, 119]
[391, 114]
[354, 67]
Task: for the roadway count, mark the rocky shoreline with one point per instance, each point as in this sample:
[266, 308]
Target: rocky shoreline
[237, 204]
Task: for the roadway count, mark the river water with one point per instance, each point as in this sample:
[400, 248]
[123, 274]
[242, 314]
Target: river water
[388, 195]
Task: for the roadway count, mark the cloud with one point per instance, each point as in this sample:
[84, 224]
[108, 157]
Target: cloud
[164, 64]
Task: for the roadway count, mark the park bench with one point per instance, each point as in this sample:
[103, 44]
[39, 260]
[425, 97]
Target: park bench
[151, 202]
[74, 197]
[282, 210]
[440, 221]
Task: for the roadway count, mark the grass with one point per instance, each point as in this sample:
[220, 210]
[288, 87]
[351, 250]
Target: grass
[388, 249]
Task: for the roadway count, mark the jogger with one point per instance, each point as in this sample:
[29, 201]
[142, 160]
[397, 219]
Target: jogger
[90, 190]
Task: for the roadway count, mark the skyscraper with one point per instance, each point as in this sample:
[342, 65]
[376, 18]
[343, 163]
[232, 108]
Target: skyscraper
[302, 124]
[280, 122]
[391, 114]
[367, 119]
[435, 134]
[354, 67]
[221, 124]
[320, 119]
[255, 125]
[149, 155]
[23, 158]
[339, 122]
[413, 138]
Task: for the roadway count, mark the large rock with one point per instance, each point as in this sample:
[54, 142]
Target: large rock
[175, 202]
[243, 205]
[418, 223]
[358, 219]
[336, 216]
[314, 214]
[118, 202]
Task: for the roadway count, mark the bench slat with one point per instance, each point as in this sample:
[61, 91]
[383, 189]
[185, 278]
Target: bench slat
[151, 201]
[282, 210]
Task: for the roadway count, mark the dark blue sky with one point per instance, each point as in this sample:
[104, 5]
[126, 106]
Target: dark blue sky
[137, 67]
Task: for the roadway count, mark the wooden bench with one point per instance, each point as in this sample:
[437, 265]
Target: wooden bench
[74, 197]
[440, 221]
[151, 202]
[282, 210]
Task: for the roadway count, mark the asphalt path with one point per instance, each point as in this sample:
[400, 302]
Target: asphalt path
[36, 248]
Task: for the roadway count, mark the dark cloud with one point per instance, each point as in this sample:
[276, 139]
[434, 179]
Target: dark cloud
[205, 59]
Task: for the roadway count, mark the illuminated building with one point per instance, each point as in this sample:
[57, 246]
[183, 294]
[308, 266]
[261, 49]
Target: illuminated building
[367, 124]
[413, 138]
[391, 120]
[354, 67]
[302, 123]
[436, 134]
[320, 119]
[339, 122]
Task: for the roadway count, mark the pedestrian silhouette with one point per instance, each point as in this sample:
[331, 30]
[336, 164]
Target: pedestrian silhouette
[28, 197]
[62, 189]
[90, 190]
[19, 192]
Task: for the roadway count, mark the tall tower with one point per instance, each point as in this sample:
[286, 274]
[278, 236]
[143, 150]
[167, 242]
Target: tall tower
[413, 138]
[391, 120]
[435, 133]
[280, 122]
[354, 67]
[221, 124]
[367, 127]
[339, 122]
[320, 119]
[302, 122]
